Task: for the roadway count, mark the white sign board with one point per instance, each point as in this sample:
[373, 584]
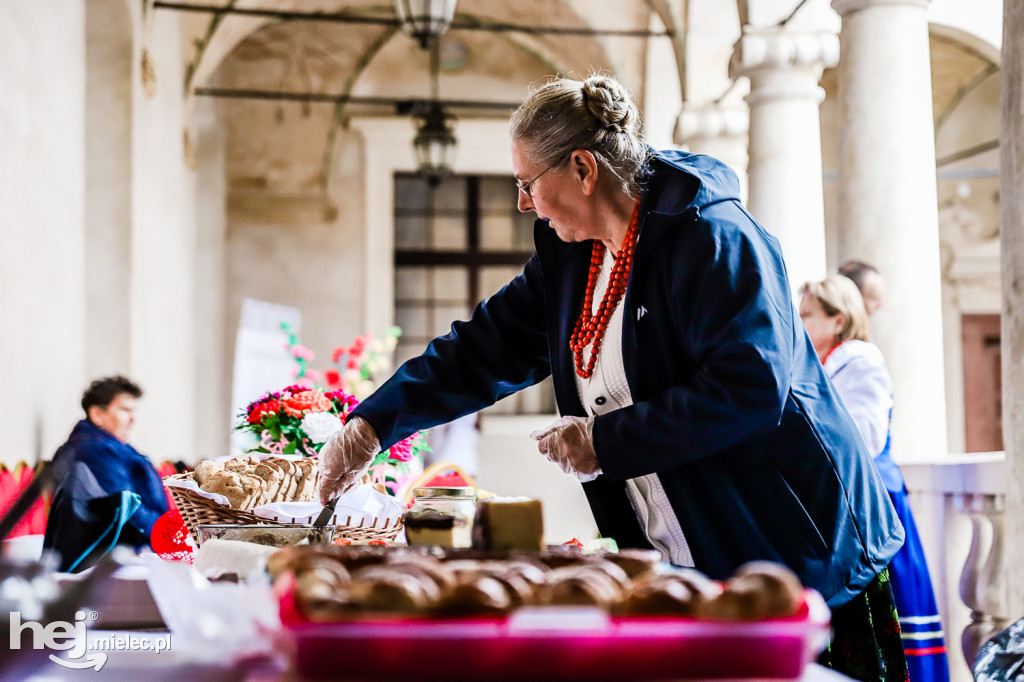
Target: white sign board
[262, 361]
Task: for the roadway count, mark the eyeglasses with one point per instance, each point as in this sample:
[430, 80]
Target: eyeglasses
[527, 187]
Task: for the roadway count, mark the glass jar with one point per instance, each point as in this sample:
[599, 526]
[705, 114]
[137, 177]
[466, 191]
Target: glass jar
[441, 517]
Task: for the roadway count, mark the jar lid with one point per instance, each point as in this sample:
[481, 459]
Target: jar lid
[462, 492]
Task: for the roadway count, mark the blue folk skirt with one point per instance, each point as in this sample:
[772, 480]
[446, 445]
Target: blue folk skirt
[920, 625]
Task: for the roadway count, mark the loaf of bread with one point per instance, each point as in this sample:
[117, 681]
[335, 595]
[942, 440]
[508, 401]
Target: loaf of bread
[248, 482]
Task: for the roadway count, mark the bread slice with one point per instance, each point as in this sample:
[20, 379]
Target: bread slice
[255, 487]
[289, 485]
[274, 477]
[306, 480]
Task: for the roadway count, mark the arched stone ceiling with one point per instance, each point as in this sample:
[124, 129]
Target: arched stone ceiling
[210, 39]
[286, 146]
[281, 146]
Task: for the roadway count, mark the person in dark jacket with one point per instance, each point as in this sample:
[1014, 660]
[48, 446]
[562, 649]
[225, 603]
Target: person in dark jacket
[695, 410]
[95, 466]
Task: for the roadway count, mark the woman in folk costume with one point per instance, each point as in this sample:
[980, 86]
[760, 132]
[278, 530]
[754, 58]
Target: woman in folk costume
[837, 322]
[695, 411]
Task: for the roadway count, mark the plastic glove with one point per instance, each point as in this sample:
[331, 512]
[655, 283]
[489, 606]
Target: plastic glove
[569, 443]
[345, 458]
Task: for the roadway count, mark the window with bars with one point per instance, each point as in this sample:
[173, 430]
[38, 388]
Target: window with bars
[455, 245]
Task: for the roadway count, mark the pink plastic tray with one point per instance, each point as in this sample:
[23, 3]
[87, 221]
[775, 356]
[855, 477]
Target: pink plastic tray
[562, 644]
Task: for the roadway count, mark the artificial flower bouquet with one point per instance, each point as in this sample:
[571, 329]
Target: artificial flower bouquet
[299, 419]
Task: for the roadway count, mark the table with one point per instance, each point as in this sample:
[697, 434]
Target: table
[177, 663]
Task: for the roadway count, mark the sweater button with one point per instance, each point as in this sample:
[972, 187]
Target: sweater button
[600, 400]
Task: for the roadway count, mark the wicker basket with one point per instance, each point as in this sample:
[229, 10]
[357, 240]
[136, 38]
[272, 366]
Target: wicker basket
[197, 510]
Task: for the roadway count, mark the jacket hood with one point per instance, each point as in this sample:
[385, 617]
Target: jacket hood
[706, 181]
[86, 430]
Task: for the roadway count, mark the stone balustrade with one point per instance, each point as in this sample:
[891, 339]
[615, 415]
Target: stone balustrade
[959, 507]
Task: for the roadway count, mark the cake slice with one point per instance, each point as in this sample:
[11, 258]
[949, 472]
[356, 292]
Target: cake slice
[509, 523]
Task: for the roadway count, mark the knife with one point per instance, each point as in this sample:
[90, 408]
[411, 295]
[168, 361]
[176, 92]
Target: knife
[326, 514]
[314, 536]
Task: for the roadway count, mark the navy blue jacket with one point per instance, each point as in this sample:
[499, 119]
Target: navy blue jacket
[116, 466]
[732, 408]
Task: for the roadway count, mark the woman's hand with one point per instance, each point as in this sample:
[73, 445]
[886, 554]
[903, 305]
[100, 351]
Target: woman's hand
[569, 443]
[345, 458]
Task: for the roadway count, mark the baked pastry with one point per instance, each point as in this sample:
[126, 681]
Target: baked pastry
[668, 594]
[229, 484]
[392, 589]
[306, 476]
[509, 523]
[607, 567]
[634, 561]
[273, 476]
[286, 493]
[534, 573]
[434, 529]
[477, 595]
[442, 576]
[580, 586]
[557, 556]
[758, 590]
[204, 469]
[254, 486]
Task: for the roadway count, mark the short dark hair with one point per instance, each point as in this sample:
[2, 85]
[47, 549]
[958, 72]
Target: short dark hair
[102, 392]
[857, 270]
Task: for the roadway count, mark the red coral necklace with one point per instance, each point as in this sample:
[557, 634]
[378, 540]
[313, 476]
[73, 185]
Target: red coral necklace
[590, 328]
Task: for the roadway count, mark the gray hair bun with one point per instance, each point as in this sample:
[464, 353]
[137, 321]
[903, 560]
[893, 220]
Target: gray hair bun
[609, 103]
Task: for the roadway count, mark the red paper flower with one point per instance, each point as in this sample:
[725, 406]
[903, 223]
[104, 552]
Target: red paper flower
[258, 410]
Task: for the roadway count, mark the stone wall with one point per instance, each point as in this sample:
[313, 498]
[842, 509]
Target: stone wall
[42, 192]
[99, 254]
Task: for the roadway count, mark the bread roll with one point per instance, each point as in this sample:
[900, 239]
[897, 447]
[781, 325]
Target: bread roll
[580, 586]
[758, 590]
[476, 595]
[668, 594]
[392, 589]
[634, 561]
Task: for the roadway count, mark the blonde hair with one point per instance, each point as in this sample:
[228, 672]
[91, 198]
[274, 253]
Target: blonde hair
[596, 114]
[838, 294]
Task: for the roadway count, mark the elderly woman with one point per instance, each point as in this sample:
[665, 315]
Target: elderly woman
[695, 409]
[837, 323]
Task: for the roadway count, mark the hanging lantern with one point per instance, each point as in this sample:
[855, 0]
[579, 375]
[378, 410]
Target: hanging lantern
[425, 20]
[434, 144]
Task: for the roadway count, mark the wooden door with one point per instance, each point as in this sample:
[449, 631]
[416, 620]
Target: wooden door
[983, 385]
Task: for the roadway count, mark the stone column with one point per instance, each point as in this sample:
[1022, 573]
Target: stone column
[717, 129]
[888, 213]
[1011, 230]
[784, 169]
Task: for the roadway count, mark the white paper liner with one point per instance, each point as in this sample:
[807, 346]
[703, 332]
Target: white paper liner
[189, 484]
[361, 506]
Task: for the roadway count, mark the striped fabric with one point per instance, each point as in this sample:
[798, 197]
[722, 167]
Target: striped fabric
[923, 639]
